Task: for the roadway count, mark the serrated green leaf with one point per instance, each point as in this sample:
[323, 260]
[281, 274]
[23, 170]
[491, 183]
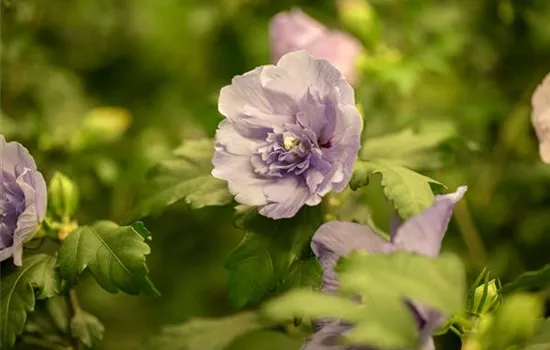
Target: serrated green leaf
[408, 191]
[306, 273]
[262, 261]
[114, 254]
[529, 280]
[416, 150]
[38, 273]
[87, 328]
[439, 282]
[186, 175]
[207, 334]
[45, 278]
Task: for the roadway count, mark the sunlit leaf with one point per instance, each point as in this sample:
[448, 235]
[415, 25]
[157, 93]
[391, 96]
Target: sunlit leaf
[114, 254]
[416, 150]
[409, 192]
[185, 176]
[207, 334]
[439, 283]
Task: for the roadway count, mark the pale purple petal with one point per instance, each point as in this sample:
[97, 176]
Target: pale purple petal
[424, 233]
[246, 91]
[309, 71]
[291, 135]
[295, 30]
[27, 223]
[23, 199]
[291, 31]
[285, 197]
[335, 239]
[341, 50]
[244, 183]
[328, 338]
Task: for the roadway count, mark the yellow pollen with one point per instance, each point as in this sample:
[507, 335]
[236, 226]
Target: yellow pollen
[289, 142]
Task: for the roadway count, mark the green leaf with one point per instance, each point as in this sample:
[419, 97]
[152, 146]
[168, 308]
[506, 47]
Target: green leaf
[114, 254]
[261, 262]
[529, 280]
[59, 309]
[186, 175]
[300, 303]
[383, 281]
[304, 274]
[87, 328]
[44, 276]
[38, 274]
[384, 323]
[408, 191]
[516, 321]
[416, 150]
[207, 334]
[439, 283]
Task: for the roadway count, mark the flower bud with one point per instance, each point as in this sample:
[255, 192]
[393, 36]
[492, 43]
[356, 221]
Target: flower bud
[102, 125]
[63, 195]
[486, 297]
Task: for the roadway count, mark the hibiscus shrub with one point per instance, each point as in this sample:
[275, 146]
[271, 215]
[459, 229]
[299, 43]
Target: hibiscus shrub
[292, 170]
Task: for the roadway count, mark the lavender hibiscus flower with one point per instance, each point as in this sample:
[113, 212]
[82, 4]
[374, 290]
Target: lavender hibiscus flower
[22, 199]
[295, 30]
[291, 135]
[420, 234]
[540, 117]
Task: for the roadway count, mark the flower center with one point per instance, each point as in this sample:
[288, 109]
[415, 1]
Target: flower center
[290, 142]
[286, 152]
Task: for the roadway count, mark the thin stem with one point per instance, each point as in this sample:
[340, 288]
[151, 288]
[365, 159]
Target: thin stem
[470, 235]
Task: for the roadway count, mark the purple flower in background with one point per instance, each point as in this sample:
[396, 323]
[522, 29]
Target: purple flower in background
[540, 117]
[291, 135]
[295, 30]
[23, 199]
[420, 234]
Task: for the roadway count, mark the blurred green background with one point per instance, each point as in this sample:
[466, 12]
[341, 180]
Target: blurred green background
[101, 90]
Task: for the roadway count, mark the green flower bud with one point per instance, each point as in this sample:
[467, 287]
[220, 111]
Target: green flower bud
[486, 298]
[515, 321]
[102, 125]
[63, 196]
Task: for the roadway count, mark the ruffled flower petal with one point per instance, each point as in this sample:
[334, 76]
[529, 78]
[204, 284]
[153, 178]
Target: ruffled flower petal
[424, 233]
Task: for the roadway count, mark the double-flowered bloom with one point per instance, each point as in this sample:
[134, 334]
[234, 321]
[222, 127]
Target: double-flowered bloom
[540, 117]
[23, 199]
[295, 30]
[421, 234]
[291, 134]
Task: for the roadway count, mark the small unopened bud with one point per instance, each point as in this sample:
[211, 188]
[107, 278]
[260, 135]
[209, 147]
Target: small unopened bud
[486, 297]
[63, 195]
[102, 125]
